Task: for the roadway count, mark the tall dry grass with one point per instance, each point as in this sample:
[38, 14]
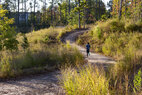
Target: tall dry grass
[84, 81]
[43, 49]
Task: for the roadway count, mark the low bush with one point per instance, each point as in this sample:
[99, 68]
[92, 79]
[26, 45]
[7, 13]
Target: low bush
[132, 27]
[118, 43]
[116, 25]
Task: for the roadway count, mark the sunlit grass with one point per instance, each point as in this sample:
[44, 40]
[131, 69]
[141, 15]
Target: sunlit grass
[44, 50]
[84, 81]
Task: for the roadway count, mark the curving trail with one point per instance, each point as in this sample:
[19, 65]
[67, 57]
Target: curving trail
[47, 84]
[94, 58]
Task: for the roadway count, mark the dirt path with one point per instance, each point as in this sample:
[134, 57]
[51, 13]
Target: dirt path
[47, 84]
[94, 58]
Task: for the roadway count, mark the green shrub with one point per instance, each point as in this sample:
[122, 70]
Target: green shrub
[11, 44]
[46, 38]
[138, 82]
[107, 47]
[1, 46]
[132, 27]
[97, 33]
[139, 23]
[6, 67]
[25, 43]
[117, 26]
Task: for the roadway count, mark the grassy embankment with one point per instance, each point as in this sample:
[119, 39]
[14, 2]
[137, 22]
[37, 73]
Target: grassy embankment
[38, 51]
[120, 40]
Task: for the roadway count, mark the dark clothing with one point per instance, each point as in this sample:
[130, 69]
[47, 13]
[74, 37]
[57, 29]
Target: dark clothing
[87, 49]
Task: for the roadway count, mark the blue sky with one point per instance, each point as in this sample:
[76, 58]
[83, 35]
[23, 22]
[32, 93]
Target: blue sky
[105, 1]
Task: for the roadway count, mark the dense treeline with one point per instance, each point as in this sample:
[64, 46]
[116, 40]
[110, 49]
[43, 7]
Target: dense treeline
[127, 8]
[54, 12]
[44, 13]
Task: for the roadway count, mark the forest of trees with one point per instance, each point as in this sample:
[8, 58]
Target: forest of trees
[55, 12]
[45, 13]
[128, 9]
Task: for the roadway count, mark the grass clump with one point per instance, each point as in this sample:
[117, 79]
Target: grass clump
[137, 82]
[16, 63]
[5, 67]
[84, 81]
[44, 35]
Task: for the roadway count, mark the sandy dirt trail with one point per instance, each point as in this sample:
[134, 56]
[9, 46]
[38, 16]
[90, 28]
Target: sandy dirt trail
[47, 84]
[94, 58]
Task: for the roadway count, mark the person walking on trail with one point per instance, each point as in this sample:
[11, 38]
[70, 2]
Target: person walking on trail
[88, 49]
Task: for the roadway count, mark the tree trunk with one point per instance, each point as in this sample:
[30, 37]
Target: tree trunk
[34, 10]
[99, 10]
[132, 3]
[51, 13]
[45, 4]
[22, 6]
[79, 22]
[69, 7]
[66, 12]
[84, 17]
[125, 7]
[120, 9]
[25, 13]
[18, 12]
[87, 12]
[118, 6]
[15, 6]
[96, 10]
[141, 11]
[76, 3]
[54, 16]
[135, 10]
[60, 13]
